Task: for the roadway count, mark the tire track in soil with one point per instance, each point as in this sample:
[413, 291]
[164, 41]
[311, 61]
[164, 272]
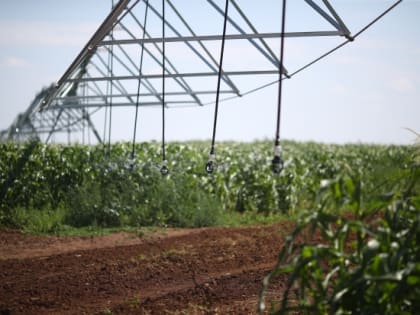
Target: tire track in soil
[206, 271]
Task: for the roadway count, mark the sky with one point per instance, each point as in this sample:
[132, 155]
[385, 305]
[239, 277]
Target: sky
[369, 91]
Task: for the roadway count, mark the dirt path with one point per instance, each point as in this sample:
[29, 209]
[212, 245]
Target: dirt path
[201, 271]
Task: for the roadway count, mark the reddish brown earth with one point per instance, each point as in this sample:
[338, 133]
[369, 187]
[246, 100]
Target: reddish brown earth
[194, 271]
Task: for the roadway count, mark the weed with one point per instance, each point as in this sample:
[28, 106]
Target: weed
[173, 252]
[134, 302]
[141, 257]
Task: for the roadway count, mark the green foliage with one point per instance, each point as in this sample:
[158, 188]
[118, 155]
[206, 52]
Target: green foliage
[367, 261]
[93, 187]
[39, 221]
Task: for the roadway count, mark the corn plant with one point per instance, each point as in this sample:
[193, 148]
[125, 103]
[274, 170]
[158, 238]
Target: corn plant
[93, 185]
[365, 262]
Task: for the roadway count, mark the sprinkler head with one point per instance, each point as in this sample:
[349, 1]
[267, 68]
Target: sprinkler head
[210, 167]
[210, 164]
[164, 170]
[277, 164]
[130, 164]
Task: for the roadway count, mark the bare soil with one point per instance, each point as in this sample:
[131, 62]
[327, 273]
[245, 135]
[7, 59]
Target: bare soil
[191, 271]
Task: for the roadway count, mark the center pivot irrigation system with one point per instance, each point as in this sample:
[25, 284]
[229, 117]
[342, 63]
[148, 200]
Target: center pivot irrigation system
[171, 53]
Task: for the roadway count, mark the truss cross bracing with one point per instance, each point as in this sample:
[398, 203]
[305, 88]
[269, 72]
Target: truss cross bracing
[107, 70]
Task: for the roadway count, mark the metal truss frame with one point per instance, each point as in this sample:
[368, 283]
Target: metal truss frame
[91, 83]
[35, 125]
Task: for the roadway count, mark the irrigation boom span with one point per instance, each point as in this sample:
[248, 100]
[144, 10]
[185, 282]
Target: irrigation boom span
[121, 65]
